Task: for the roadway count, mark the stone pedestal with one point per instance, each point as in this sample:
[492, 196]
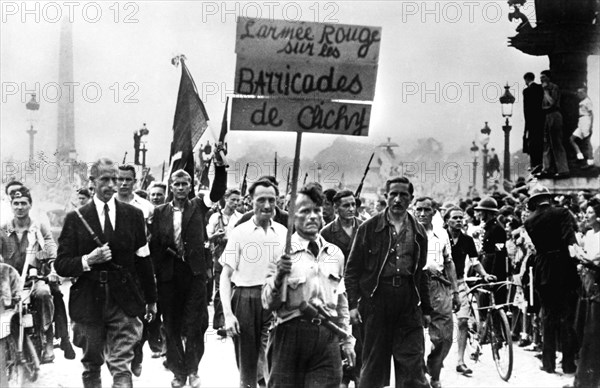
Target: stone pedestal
[571, 185]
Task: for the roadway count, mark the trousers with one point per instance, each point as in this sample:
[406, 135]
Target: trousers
[185, 315]
[250, 345]
[392, 327]
[111, 340]
[441, 327]
[303, 355]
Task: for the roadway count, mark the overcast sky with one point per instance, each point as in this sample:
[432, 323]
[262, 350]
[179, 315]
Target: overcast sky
[442, 66]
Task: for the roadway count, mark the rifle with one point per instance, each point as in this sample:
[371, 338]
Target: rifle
[305, 177]
[125, 157]
[287, 186]
[275, 174]
[244, 182]
[360, 186]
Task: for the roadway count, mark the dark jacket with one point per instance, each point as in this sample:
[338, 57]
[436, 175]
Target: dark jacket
[493, 250]
[551, 230]
[193, 233]
[369, 254]
[130, 278]
[534, 116]
[334, 233]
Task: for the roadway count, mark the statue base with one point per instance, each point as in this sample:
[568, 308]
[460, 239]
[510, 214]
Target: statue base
[573, 184]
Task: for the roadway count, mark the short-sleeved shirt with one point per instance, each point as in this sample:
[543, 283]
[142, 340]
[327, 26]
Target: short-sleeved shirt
[250, 249]
[464, 248]
[400, 260]
[438, 247]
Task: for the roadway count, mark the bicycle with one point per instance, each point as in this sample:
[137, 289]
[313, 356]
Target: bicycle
[494, 330]
[19, 343]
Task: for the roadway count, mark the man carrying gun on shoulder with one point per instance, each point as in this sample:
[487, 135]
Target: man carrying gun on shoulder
[303, 348]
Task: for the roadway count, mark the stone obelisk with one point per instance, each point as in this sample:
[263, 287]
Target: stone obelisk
[66, 108]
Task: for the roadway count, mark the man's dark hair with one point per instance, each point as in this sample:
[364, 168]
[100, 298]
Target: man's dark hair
[270, 178]
[547, 73]
[85, 192]
[100, 164]
[329, 194]
[337, 198]
[450, 210]
[313, 192]
[160, 185]
[11, 183]
[529, 76]
[425, 198]
[400, 179]
[264, 183]
[127, 167]
[142, 193]
[230, 192]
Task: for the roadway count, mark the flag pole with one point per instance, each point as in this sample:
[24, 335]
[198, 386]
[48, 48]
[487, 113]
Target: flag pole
[291, 208]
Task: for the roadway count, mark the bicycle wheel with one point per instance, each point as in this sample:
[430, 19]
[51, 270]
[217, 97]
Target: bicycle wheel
[473, 340]
[32, 361]
[501, 343]
[13, 372]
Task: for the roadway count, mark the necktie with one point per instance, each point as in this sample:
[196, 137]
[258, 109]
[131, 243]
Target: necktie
[108, 229]
[313, 247]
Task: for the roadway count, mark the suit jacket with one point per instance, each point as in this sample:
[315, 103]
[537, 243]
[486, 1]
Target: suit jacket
[551, 230]
[130, 278]
[193, 233]
[534, 116]
[334, 233]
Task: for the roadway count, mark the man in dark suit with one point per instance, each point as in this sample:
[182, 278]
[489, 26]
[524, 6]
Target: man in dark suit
[533, 136]
[106, 299]
[552, 232]
[177, 245]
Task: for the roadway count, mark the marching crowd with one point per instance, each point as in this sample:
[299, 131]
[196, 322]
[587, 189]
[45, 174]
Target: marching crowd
[350, 290]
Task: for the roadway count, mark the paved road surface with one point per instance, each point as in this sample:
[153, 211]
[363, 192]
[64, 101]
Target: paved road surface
[218, 370]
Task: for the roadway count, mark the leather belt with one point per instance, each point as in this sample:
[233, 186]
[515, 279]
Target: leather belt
[103, 276]
[395, 281]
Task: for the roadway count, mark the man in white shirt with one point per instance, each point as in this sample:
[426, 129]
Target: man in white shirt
[443, 289]
[219, 226]
[251, 247]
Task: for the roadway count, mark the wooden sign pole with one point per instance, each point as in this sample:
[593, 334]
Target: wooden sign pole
[292, 208]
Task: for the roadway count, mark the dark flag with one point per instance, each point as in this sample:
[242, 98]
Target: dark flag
[224, 124]
[204, 181]
[189, 124]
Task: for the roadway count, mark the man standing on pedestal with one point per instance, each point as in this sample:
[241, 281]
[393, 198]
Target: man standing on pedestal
[177, 246]
[555, 157]
[533, 136]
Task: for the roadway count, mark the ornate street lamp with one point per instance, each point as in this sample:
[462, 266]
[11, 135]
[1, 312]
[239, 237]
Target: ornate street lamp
[484, 140]
[32, 107]
[475, 153]
[507, 100]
